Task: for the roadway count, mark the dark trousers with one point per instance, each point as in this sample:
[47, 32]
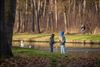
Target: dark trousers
[51, 47]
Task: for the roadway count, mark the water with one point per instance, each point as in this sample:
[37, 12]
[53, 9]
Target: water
[69, 46]
[76, 49]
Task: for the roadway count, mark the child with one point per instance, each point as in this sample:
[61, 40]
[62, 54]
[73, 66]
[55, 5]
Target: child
[51, 42]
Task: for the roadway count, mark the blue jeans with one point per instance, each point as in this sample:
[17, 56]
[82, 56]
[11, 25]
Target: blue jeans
[62, 49]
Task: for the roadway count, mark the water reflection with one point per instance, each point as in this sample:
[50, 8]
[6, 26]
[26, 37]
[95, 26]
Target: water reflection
[57, 45]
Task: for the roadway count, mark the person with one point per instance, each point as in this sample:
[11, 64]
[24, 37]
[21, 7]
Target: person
[22, 44]
[51, 42]
[82, 29]
[62, 42]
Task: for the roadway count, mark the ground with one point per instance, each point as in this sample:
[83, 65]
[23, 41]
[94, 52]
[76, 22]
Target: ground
[25, 57]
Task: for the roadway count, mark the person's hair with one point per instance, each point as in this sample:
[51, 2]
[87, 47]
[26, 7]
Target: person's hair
[52, 35]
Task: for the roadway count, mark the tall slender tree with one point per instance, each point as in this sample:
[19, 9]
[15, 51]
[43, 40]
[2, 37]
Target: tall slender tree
[58, 15]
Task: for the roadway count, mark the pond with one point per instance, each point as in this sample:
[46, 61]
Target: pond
[69, 46]
[76, 49]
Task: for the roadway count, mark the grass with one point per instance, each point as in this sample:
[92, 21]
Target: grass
[26, 36]
[54, 57]
[84, 37]
[27, 57]
[45, 37]
[28, 52]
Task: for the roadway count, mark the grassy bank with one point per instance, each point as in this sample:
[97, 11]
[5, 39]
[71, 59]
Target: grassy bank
[45, 37]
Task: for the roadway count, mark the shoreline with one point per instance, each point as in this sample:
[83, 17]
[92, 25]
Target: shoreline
[69, 41]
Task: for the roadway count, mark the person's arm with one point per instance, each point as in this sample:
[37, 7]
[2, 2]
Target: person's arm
[53, 40]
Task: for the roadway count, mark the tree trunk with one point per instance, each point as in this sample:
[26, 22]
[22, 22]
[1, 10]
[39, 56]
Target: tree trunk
[68, 17]
[65, 21]
[56, 13]
[7, 16]
[44, 9]
[37, 17]
[33, 13]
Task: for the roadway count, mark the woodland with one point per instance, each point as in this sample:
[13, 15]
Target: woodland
[40, 16]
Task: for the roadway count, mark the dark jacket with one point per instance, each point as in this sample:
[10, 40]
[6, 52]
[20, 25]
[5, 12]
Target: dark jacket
[52, 40]
[63, 41]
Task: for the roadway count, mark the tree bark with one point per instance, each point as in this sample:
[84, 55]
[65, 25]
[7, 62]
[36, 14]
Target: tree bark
[7, 16]
[65, 21]
[37, 17]
[56, 13]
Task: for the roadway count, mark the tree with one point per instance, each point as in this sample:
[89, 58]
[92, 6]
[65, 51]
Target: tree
[57, 15]
[56, 18]
[7, 16]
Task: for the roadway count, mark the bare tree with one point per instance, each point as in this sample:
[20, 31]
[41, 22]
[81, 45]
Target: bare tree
[56, 18]
[57, 15]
